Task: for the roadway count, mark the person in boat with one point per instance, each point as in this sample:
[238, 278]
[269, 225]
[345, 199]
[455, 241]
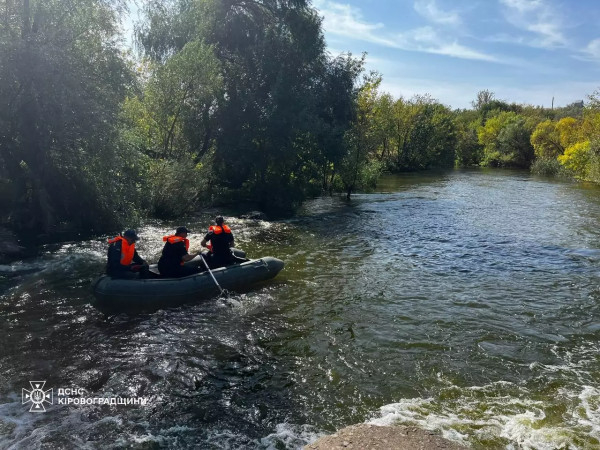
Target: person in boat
[175, 254]
[221, 242]
[123, 259]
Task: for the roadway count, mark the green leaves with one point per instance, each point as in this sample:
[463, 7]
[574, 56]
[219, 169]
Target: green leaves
[178, 96]
[62, 78]
[252, 107]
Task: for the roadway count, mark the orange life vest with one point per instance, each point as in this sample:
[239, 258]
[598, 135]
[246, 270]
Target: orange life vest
[218, 230]
[175, 239]
[127, 250]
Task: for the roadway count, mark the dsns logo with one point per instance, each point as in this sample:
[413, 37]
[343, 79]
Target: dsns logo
[37, 396]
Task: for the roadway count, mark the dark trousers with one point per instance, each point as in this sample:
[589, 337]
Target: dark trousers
[128, 273]
[124, 274]
[219, 260]
[177, 271]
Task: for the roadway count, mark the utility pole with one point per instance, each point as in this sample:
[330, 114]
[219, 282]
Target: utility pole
[552, 104]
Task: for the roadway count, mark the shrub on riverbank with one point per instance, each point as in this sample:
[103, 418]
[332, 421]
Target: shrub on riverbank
[550, 167]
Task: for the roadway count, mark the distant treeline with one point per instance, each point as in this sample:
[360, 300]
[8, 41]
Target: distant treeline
[226, 102]
[421, 133]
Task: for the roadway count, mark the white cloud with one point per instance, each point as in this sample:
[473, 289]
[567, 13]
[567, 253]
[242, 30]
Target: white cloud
[593, 50]
[505, 38]
[538, 18]
[427, 40]
[430, 10]
[523, 6]
[590, 53]
[346, 20]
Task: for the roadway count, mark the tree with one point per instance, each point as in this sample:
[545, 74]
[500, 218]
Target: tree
[514, 144]
[384, 126]
[358, 170]
[550, 139]
[582, 156]
[546, 140]
[404, 115]
[506, 141]
[272, 128]
[483, 98]
[574, 110]
[335, 111]
[62, 77]
[469, 152]
[568, 131]
[594, 101]
[432, 139]
[174, 114]
[577, 159]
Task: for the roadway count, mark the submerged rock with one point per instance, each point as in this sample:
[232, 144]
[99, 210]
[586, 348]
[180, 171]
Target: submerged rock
[366, 436]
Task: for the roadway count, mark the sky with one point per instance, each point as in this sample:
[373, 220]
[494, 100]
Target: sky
[524, 51]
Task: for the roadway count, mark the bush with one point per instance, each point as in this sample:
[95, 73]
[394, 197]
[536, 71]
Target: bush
[594, 162]
[174, 187]
[577, 159]
[550, 167]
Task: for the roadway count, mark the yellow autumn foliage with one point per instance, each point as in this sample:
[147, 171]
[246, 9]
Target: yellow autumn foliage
[576, 158]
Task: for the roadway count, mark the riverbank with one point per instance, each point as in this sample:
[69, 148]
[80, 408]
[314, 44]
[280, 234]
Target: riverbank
[367, 436]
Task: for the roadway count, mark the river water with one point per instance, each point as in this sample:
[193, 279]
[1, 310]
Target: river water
[467, 303]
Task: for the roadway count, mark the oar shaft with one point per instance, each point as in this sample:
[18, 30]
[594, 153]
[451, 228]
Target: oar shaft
[211, 274]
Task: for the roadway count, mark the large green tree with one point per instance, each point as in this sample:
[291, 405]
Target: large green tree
[62, 77]
[172, 123]
[358, 169]
[336, 111]
[514, 144]
[430, 139]
[274, 136]
[469, 151]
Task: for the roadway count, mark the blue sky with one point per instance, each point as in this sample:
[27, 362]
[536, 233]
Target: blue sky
[525, 51]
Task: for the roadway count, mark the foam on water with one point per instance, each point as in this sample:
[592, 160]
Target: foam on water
[290, 436]
[29, 430]
[509, 420]
[54, 429]
[245, 303]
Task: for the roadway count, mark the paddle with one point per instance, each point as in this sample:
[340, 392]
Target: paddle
[223, 292]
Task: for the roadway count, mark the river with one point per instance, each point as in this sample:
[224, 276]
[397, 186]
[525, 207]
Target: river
[467, 303]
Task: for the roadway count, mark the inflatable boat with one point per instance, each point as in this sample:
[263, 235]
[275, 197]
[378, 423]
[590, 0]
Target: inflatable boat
[115, 295]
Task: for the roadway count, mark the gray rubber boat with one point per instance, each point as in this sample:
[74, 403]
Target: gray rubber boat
[113, 295]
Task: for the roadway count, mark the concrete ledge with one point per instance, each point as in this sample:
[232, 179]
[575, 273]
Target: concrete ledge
[365, 436]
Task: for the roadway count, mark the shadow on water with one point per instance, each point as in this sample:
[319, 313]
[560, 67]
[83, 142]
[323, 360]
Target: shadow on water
[465, 302]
